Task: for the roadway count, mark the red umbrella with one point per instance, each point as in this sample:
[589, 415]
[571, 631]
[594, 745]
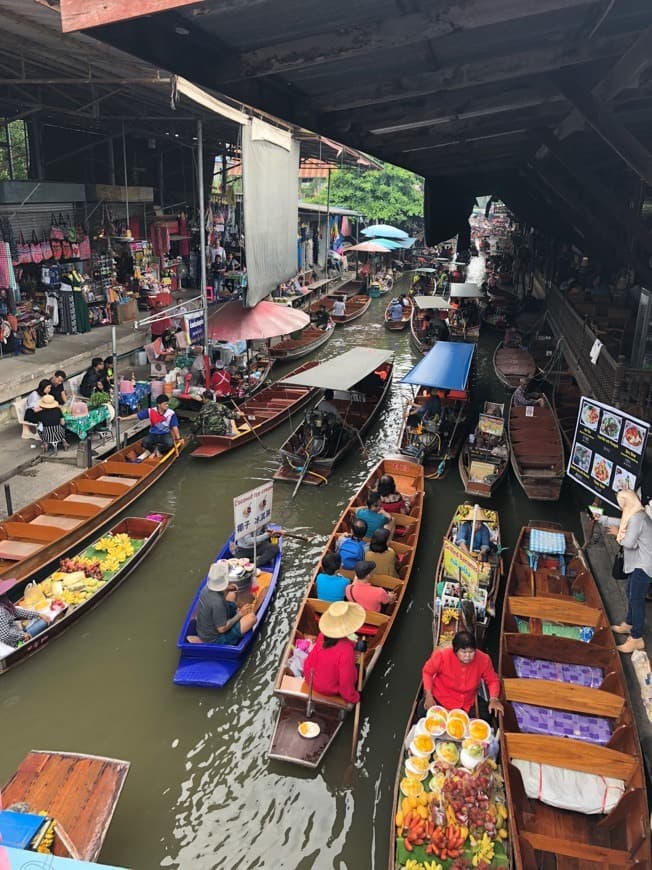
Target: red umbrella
[369, 247]
[232, 322]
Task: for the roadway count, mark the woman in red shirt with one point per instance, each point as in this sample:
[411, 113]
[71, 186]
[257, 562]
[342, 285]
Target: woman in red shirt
[331, 662]
[452, 676]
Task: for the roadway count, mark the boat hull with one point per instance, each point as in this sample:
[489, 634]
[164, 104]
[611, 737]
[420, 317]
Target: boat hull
[537, 452]
[512, 364]
[436, 456]
[292, 349]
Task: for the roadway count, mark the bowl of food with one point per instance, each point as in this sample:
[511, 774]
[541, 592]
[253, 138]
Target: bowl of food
[422, 746]
[420, 727]
[435, 725]
[437, 710]
[447, 752]
[411, 787]
[479, 730]
[309, 730]
[456, 728]
[416, 768]
[472, 753]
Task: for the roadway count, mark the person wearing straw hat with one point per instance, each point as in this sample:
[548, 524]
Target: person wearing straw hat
[50, 423]
[331, 662]
[219, 619]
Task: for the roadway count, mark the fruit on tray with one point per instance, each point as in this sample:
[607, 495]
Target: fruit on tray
[118, 549]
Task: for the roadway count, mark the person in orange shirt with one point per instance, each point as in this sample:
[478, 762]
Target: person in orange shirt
[452, 676]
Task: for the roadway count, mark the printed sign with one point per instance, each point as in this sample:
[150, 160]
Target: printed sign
[194, 324]
[491, 425]
[461, 566]
[607, 453]
[252, 510]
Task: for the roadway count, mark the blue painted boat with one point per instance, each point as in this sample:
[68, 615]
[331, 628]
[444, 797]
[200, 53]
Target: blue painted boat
[211, 664]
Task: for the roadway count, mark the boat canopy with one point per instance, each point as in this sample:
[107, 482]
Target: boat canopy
[468, 290]
[432, 302]
[22, 858]
[445, 367]
[343, 371]
[424, 270]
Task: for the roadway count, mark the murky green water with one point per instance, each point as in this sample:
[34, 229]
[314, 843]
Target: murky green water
[201, 793]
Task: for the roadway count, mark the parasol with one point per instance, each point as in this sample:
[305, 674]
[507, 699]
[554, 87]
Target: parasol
[384, 231]
[371, 247]
[232, 322]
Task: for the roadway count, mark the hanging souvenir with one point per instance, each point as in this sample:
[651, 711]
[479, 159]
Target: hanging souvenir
[56, 232]
[46, 249]
[24, 253]
[36, 255]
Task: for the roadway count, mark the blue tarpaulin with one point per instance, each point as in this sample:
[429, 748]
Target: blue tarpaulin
[21, 860]
[446, 366]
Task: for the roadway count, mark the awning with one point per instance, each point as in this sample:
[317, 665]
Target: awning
[232, 322]
[466, 291]
[424, 270]
[406, 243]
[384, 231]
[446, 366]
[375, 247]
[343, 371]
[19, 859]
[431, 302]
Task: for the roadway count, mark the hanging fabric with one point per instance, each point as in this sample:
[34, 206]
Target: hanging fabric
[36, 255]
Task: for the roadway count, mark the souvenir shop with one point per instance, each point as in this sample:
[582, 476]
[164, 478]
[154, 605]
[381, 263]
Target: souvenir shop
[321, 229]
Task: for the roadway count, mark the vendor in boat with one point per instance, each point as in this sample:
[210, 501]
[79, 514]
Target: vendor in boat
[214, 418]
[331, 586]
[431, 409]
[322, 318]
[522, 399]
[364, 593]
[164, 428]
[266, 549]
[220, 380]
[374, 515]
[353, 547]
[452, 676]
[395, 310]
[329, 408]
[12, 632]
[384, 556]
[339, 307]
[219, 619]
[481, 539]
[330, 666]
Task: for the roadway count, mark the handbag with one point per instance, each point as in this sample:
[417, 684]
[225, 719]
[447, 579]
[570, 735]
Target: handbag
[55, 230]
[84, 248]
[618, 567]
[71, 234]
[66, 249]
[35, 249]
[57, 250]
[76, 255]
[46, 249]
[24, 252]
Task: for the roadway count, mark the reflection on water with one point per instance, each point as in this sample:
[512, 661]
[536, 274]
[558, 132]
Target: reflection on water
[201, 793]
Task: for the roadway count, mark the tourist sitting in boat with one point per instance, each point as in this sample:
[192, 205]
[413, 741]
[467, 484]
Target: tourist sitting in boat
[266, 550]
[322, 318]
[374, 515]
[330, 665]
[395, 310]
[405, 302]
[522, 399]
[363, 592]
[219, 619]
[339, 307]
[481, 539]
[164, 428]
[93, 379]
[11, 630]
[352, 547]
[391, 499]
[221, 380]
[385, 558]
[331, 586]
[214, 418]
[452, 676]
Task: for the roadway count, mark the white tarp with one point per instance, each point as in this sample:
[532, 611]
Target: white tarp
[468, 290]
[432, 302]
[270, 168]
[343, 371]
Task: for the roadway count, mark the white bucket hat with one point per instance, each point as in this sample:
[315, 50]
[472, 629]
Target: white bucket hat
[218, 576]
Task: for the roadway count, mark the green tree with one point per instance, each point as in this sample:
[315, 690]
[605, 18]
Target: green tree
[17, 132]
[390, 195]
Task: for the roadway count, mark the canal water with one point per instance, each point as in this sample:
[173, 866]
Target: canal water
[201, 792]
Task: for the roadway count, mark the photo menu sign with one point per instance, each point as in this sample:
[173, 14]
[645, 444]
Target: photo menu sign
[608, 449]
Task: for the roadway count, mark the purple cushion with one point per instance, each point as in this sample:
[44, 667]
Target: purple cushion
[539, 669]
[540, 720]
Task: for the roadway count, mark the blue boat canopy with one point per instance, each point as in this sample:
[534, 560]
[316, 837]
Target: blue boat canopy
[445, 367]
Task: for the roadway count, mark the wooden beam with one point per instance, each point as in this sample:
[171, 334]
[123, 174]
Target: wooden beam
[76, 15]
[388, 34]
[608, 127]
[498, 68]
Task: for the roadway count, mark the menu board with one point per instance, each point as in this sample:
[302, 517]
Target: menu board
[608, 449]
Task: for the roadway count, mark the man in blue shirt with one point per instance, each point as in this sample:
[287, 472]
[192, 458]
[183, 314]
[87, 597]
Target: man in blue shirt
[164, 427]
[481, 538]
[375, 517]
[396, 310]
[330, 584]
[353, 548]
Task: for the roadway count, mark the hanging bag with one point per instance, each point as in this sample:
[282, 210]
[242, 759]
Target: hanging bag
[57, 250]
[66, 250]
[46, 249]
[618, 567]
[35, 249]
[75, 251]
[84, 248]
[24, 253]
[71, 234]
[56, 232]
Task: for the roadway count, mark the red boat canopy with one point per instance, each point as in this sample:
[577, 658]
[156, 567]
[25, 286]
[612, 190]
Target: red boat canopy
[232, 322]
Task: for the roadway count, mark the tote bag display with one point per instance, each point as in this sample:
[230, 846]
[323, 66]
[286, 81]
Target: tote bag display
[36, 255]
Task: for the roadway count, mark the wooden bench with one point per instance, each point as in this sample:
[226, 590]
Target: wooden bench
[127, 469]
[102, 487]
[296, 687]
[55, 506]
[577, 849]
[554, 610]
[29, 532]
[568, 697]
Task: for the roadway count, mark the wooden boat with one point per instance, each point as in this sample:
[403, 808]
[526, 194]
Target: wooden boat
[264, 412]
[79, 792]
[461, 575]
[434, 443]
[308, 294]
[309, 340]
[361, 378]
[567, 708]
[403, 323]
[566, 401]
[210, 664]
[513, 363]
[422, 333]
[355, 307]
[354, 287]
[460, 330]
[328, 711]
[378, 287]
[32, 539]
[144, 534]
[537, 451]
[483, 463]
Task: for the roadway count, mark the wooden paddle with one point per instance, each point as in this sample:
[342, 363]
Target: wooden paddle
[356, 717]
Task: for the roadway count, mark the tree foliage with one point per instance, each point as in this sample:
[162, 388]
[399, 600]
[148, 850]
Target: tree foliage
[17, 133]
[390, 195]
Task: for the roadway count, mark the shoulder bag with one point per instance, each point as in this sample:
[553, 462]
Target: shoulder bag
[618, 567]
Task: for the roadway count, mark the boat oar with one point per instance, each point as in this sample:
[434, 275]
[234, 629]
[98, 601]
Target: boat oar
[356, 716]
[304, 471]
[287, 534]
[309, 703]
[365, 452]
[253, 428]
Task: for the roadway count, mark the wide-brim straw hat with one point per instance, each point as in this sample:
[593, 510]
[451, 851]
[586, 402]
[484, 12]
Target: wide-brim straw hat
[48, 402]
[218, 576]
[341, 619]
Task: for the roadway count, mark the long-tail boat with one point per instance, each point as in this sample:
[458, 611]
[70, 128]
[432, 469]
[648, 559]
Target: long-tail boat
[354, 287]
[537, 451]
[263, 412]
[33, 538]
[513, 363]
[566, 401]
[355, 306]
[78, 792]
[143, 534]
[360, 379]
[211, 664]
[423, 331]
[446, 369]
[249, 385]
[310, 339]
[573, 767]
[328, 712]
[403, 323]
[484, 461]
[458, 320]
